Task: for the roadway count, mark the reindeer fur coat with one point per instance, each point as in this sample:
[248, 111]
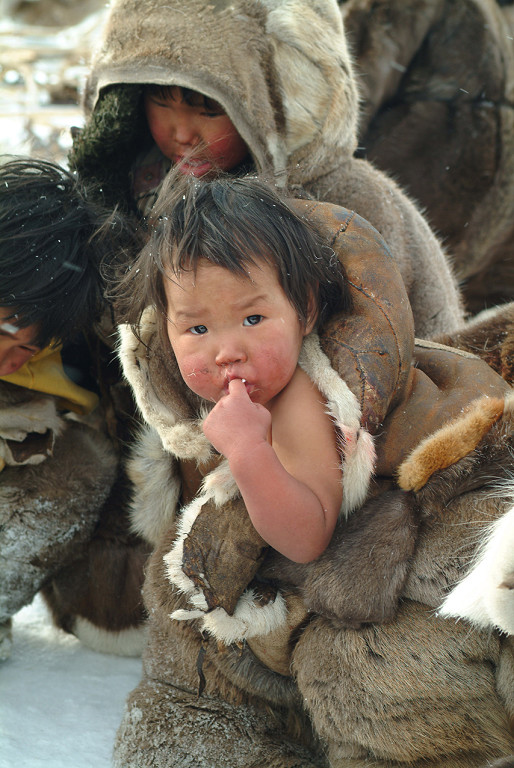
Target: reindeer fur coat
[63, 515]
[436, 79]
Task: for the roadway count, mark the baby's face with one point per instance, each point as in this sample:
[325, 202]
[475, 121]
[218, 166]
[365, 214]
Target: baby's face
[16, 345]
[179, 129]
[223, 326]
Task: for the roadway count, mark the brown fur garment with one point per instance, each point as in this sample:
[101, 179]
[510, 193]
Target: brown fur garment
[245, 715]
[436, 81]
[48, 512]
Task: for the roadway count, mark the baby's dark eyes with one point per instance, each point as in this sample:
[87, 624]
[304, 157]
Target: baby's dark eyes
[252, 320]
[198, 330]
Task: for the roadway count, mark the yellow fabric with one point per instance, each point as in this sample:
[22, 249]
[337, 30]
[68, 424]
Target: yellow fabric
[44, 372]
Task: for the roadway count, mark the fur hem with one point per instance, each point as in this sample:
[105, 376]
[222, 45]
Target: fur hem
[126, 642]
[485, 597]
[450, 443]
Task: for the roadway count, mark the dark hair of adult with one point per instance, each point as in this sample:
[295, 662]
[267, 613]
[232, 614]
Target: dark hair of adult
[233, 223]
[53, 239]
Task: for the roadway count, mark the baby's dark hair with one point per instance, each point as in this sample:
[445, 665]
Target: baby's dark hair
[53, 239]
[233, 223]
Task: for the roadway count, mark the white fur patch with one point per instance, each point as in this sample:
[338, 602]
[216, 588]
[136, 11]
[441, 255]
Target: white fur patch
[310, 41]
[37, 415]
[127, 642]
[485, 597]
[249, 620]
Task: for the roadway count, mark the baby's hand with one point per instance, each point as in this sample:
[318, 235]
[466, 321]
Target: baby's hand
[236, 422]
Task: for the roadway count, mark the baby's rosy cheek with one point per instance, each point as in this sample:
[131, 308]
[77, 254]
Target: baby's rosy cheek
[197, 376]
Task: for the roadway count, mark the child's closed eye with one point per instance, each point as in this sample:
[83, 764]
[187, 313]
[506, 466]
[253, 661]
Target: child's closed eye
[252, 320]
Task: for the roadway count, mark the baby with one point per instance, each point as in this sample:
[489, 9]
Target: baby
[241, 280]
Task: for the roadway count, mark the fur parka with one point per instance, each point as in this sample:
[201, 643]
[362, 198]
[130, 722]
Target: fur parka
[284, 76]
[343, 662]
[57, 476]
[63, 520]
[436, 80]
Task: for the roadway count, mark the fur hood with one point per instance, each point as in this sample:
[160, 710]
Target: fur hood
[292, 97]
[281, 120]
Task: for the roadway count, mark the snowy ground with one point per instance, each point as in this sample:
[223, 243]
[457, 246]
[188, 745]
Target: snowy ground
[60, 703]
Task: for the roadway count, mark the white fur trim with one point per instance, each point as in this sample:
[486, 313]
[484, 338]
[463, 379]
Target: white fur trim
[156, 487]
[317, 92]
[126, 642]
[358, 447]
[218, 486]
[249, 618]
[483, 596]
[184, 439]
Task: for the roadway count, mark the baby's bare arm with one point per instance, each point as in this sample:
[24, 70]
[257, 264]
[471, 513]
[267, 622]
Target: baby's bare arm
[291, 484]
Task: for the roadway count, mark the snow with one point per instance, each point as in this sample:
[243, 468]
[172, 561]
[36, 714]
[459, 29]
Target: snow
[60, 703]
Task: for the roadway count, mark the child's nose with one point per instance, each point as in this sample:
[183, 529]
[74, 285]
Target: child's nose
[184, 131]
[230, 354]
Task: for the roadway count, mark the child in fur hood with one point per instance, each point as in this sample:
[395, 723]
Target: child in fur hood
[248, 85]
[240, 280]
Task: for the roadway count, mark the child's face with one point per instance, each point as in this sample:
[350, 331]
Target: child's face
[223, 326]
[178, 128]
[16, 345]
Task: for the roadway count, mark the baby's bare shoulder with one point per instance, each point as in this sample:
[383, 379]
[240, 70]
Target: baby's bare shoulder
[301, 412]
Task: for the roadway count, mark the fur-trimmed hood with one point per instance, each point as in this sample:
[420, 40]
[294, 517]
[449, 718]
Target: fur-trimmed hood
[282, 72]
[238, 53]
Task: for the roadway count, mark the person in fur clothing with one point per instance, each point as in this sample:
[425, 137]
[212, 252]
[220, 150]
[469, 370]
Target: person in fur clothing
[436, 79]
[58, 462]
[254, 659]
[282, 75]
